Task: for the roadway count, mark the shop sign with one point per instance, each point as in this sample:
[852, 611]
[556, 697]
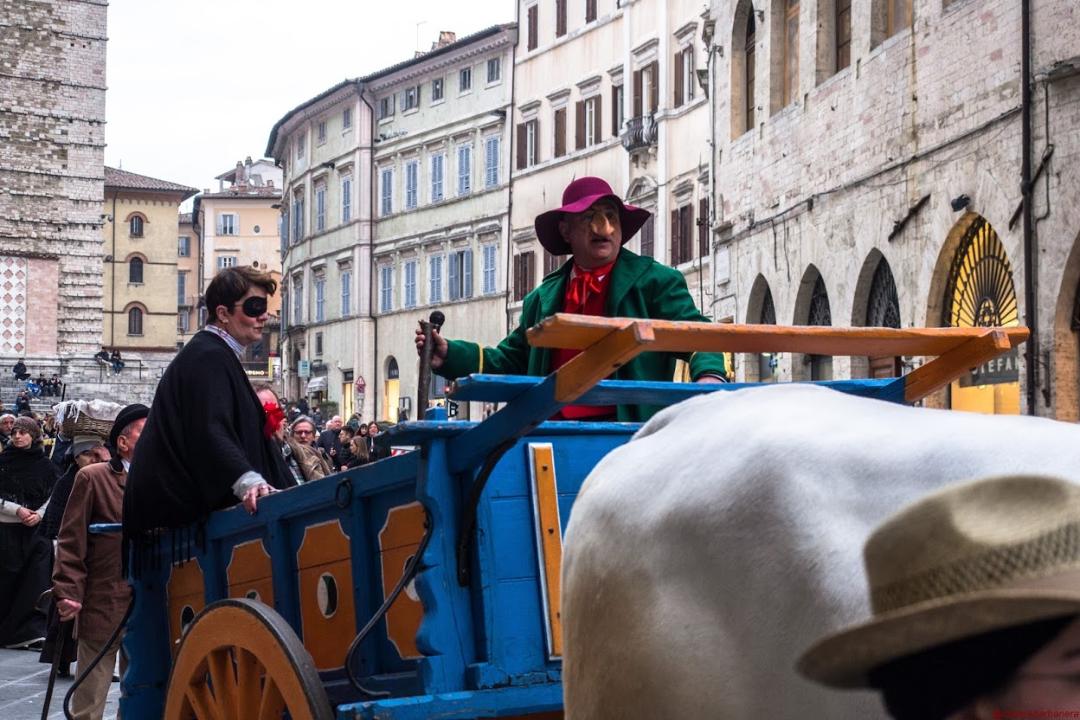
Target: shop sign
[1002, 369]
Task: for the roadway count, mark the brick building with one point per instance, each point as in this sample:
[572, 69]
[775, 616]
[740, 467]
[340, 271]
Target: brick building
[868, 172]
[52, 123]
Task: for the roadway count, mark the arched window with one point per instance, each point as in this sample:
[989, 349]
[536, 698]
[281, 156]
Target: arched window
[784, 79]
[979, 292]
[135, 270]
[135, 225]
[135, 321]
[743, 71]
[751, 74]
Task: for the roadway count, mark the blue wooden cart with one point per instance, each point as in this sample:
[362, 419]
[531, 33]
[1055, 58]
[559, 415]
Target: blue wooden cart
[427, 584]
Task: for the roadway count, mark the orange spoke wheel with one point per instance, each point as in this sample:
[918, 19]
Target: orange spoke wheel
[240, 660]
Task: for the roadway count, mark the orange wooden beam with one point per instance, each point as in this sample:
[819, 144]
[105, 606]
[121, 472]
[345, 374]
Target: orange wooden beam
[581, 331]
[942, 370]
[600, 359]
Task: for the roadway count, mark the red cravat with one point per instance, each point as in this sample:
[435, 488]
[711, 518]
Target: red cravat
[583, 284]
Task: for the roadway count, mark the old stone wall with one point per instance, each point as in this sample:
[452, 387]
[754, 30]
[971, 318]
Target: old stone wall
[834, 182]
[52, 123]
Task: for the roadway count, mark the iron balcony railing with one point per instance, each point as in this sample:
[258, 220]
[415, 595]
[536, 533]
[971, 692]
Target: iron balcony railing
[640, 133]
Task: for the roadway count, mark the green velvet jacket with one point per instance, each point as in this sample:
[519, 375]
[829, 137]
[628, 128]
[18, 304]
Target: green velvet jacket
[640, 288]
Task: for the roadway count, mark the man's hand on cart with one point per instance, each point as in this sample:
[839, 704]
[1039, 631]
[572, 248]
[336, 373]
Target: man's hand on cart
[439, 347]
[251, 497]
[68, 609]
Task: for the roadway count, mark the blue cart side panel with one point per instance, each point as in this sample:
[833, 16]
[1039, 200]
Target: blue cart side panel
[509, 599]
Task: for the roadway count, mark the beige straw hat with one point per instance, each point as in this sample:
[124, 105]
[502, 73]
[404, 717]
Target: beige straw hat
[970, 559]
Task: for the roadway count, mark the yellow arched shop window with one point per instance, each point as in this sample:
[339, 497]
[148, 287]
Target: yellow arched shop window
[980, 293]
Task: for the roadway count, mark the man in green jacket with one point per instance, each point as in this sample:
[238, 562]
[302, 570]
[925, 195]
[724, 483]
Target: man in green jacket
[602, 279]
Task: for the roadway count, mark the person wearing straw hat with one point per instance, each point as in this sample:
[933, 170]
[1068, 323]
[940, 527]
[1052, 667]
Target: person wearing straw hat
[975, 593]
[602, 278]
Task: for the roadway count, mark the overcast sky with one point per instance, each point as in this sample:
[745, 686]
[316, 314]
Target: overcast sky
[196, 85]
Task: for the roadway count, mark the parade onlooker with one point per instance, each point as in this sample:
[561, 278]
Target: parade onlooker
[22, 403]
[316, 416]
[976, 598]
[304, 461]
[7, 422]
[26, 478]
[329, 442]
[378, 451]
[88, 583]
[84, 450]
[116, 362]
[345, 436]
[360, 453]
[19, 369]
[203, 448]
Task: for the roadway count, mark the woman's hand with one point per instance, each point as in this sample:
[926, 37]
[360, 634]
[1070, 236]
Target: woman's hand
[29, 518]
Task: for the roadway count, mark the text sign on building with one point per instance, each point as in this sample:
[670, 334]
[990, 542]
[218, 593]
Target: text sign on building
[1002, 369]
[303, 368]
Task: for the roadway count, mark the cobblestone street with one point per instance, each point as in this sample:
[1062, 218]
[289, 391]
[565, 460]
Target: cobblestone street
[23, 681]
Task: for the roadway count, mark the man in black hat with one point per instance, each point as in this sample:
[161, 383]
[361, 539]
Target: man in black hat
[88, 582]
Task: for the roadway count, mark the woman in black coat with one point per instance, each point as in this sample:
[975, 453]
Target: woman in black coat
[26, 478]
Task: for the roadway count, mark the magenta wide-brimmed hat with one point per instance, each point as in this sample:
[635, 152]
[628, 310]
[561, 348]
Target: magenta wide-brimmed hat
[579, 196]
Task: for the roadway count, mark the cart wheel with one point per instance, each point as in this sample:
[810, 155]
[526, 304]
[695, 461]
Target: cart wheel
[238, 660]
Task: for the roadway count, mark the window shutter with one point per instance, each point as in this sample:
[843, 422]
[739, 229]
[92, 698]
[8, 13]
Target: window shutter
[638, 109]
[529, 271]
[560, 132]
[533, 35]
[615, 111]
[703, 227]
[598, 127]
[654, 86]
[579, 124]
[678, 79]
[686, 232]
[455, 267]
[676, 246]
[590, 10]
[466, 273]
[518, 283]
[560, 18]
[521, 141]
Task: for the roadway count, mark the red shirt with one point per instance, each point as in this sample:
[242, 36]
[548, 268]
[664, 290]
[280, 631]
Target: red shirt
[586, 294]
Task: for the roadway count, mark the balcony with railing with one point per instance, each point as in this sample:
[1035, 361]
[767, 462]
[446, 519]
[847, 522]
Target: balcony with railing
[640, 133]
[187, 301]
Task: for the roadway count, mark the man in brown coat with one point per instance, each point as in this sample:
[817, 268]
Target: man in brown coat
[87, 580]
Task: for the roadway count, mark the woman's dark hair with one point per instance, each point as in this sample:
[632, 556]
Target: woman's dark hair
[936, 683]
[231, 284]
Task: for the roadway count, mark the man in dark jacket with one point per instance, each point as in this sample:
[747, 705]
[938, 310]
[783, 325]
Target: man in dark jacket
[330, 443]
[203, 448]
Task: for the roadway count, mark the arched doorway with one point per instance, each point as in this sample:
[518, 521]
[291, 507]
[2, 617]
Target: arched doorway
[392, 390]
[883, 310]
[812, 307]
[767, 362]
[979, 292]
[761, 310]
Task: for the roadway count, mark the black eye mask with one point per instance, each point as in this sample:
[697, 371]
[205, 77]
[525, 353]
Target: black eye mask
[254, 306]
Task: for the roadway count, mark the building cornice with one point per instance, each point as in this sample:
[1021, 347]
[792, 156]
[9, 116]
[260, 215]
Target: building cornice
[433, 62]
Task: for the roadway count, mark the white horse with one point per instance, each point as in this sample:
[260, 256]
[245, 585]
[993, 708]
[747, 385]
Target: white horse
[704, 556]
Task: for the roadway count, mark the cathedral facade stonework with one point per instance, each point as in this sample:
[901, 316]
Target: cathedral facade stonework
[52, 121]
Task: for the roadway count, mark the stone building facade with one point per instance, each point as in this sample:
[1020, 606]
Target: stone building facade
[328, 335]
[140, 233]
[440, 165]
[868, 163]
[188, 266]
[51, 179]
[610, 89]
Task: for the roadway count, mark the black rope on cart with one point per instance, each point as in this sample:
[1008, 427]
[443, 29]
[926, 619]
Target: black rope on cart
[411, 569]
[97, 658]
[468, 518]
